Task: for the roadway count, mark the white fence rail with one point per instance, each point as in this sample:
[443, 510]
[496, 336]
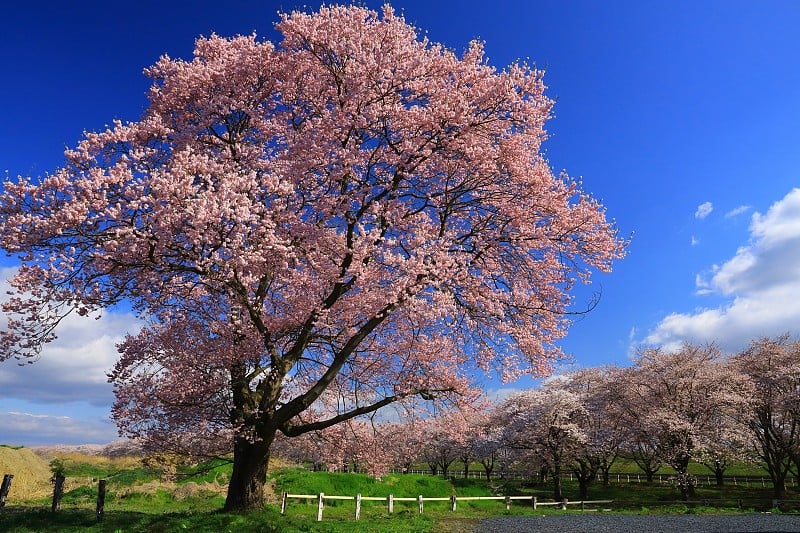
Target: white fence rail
[391, 499]
[702, 479]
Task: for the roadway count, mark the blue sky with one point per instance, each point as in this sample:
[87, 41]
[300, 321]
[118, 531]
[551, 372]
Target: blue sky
[683, 117]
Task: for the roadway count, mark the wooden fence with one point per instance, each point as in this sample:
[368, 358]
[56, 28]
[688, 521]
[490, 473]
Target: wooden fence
[702, 479]
[585, 505]
[420, 500]
[58, 492]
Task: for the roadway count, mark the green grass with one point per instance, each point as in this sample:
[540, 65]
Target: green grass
[624, 465]
[218, 470]
[137, 501]
[268, 520]
[299, 481]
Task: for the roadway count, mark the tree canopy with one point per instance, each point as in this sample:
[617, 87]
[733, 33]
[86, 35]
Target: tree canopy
[312, 230]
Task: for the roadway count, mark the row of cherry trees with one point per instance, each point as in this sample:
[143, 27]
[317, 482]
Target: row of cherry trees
[668, 408]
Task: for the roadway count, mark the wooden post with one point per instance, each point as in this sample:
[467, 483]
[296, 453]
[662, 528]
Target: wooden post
[564, 504]
[358, 506]
[283, 502]
[533, 502]
[508, 503]
[453, 502]
[101, 500]
[320, 505]
[58, 491]
[391, 503]
[419, 500]
[4, 488]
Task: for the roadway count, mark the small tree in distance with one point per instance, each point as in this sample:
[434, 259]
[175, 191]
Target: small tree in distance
[312, 231]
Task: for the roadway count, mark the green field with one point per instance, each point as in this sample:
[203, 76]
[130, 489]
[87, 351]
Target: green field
[138, 499]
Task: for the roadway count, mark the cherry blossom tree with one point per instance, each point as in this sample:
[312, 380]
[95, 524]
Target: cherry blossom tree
[444, 440]
[487, 447]
[604, 429]
[549, 424]
[643, 449]
[312, 230]
[480, 442]
[679, 401]
[773, 365]
[404, 442]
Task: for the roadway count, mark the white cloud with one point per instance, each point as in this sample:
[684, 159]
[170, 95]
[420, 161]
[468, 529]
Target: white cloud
[703, 210]
[737, 211]
[761, 283]
[695, 241]
[73, 367]
[498, 396]
[36, 429]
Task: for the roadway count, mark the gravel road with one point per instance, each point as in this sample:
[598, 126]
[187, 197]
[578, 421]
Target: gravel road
[615, 523]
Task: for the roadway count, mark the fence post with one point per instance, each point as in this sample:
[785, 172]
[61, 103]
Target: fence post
[391, 503]
[564, 504]
[419, 500]
[58, 491]
[453, 502]
[533, 502]
[358, 506]
[508, 503]
[320, 506]
[283, 502]
[4, 488]
[101, 500]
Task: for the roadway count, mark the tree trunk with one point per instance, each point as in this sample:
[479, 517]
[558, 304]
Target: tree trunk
[586, 475]
[583, 488]
[685, 481]
[246, 488]
[778, 485]
[557, 496]
[488, 468]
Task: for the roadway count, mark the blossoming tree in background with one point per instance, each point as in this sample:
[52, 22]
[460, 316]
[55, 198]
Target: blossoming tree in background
[681, 402]
[548, 425]
[312, 230]
[773, 365]
[603, 426]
